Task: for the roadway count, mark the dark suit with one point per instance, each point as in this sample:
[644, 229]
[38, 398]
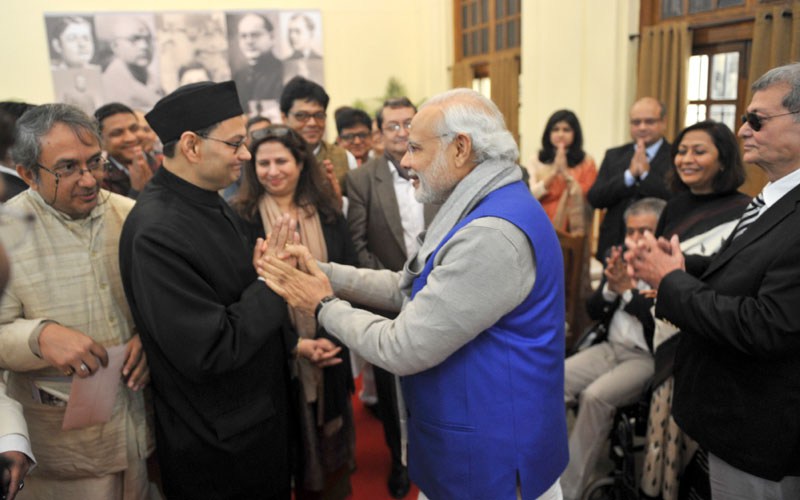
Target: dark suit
[377, 231]
[13, 186]
[610, 192]
[737, 374]
[260, 82]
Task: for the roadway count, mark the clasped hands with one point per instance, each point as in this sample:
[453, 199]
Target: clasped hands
[290, 270]
[639, 164]
[650, 259]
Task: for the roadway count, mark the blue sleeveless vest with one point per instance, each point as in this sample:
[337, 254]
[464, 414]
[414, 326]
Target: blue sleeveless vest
[494, 409]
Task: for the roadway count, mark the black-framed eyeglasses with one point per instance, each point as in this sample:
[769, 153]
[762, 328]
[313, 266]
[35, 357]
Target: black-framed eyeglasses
[756, 122]
[303, 116]
[235, 145]
[356, 135]
[72, 169]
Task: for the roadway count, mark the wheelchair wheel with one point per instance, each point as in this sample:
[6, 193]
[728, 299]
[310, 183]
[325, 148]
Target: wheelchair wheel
[601, 489]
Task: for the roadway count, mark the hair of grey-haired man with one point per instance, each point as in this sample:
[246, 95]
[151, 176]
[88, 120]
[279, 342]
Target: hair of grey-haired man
[37, 122]
[465, 111]
[645, 206]
[789, 74]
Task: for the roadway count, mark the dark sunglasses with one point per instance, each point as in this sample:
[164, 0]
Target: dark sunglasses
[756, 121]
[273, 131]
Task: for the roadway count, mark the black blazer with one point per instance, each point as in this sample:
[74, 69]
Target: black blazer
[737, 368]
[13, 186]
[639, 307]
[610, 192]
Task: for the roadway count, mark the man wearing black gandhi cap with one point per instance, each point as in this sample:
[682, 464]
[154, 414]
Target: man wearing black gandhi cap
[216, 337]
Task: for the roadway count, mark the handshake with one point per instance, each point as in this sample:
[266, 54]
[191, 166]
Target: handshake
[289, 269]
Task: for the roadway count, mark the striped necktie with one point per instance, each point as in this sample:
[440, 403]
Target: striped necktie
[750, 215]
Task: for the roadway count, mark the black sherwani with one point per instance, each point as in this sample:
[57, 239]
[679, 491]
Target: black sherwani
[216, 343]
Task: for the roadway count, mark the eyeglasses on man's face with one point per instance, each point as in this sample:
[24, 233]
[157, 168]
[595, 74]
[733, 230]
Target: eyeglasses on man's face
[396, 126]
[647, 121]
[756, 122]
[363, 136]
[72, 169]
[235, 145]
[303, 116]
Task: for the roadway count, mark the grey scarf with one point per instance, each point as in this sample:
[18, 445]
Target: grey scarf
[485, 178]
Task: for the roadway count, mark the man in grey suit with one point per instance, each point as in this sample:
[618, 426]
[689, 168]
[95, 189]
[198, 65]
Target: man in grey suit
[384, 220]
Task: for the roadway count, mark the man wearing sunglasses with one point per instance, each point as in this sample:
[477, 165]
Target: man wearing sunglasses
[632, 171]
[64, 309]
[736, 368]
[216, 337]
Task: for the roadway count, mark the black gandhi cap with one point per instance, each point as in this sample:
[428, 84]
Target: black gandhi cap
[193, 107]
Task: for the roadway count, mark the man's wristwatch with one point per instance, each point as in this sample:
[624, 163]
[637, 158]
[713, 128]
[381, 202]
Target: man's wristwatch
[322, 302]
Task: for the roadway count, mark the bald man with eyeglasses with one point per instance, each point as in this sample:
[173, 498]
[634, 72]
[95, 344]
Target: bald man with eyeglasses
[631, 172]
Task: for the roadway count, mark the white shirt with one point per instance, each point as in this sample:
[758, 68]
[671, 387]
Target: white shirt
[412, 214]
[774, 191]
[624, 328]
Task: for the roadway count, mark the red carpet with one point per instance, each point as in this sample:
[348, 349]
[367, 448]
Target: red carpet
[372, 457]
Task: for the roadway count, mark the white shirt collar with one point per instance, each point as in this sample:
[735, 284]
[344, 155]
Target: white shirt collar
[9, 170]
[652, 149]
[774, 191]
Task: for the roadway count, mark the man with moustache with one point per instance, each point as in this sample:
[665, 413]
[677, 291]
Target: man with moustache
[303, 61]
[129, 170]
[64, 309]
[216, 337]
[632, 171]
[479, 335]
[385, 219]
[262, 77]
[129, 78]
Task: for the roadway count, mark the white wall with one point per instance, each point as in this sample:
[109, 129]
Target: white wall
[365, 42]
[576, 55]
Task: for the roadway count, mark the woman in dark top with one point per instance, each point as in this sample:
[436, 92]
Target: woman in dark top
[284, 178]
[708, 171]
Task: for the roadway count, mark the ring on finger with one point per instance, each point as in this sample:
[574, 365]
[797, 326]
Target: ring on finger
[84, 368]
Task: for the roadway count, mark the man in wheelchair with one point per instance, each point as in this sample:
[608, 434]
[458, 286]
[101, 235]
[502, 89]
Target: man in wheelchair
[613, 372]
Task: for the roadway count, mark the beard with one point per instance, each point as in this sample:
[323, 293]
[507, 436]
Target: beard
[436, 184]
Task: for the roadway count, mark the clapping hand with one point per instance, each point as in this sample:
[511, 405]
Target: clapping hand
[616, 272]
[650, 259]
